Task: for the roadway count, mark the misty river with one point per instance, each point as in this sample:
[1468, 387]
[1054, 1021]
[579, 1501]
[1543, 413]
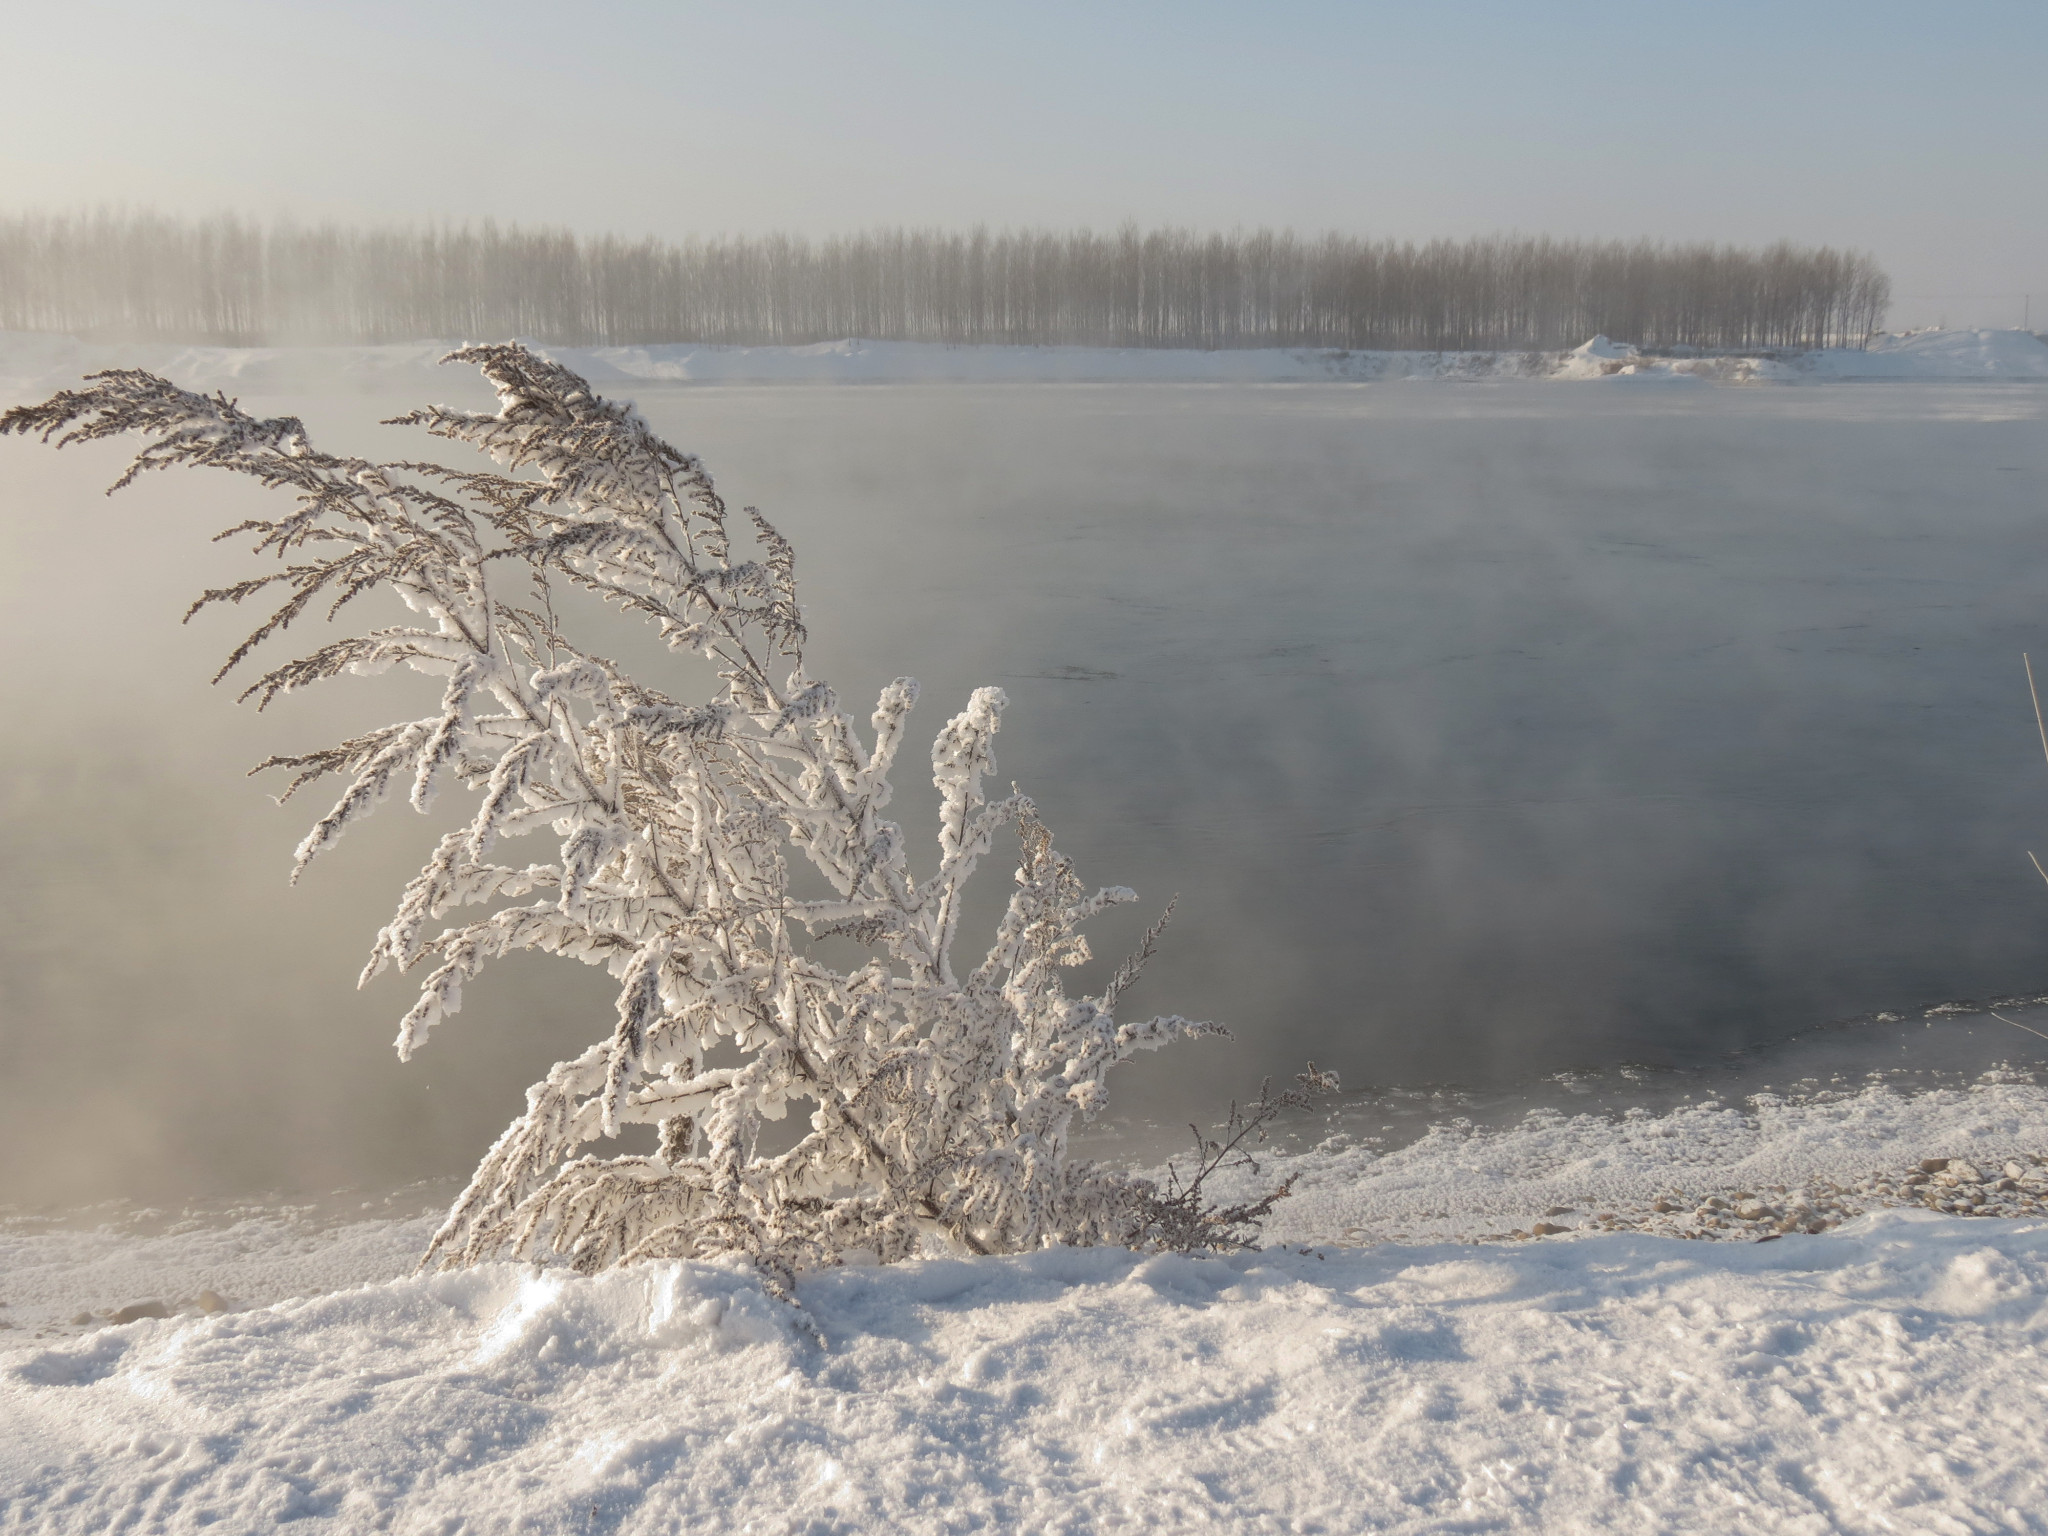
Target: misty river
[1485, 732]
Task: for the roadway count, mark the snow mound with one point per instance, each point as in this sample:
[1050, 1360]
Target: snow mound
[1937, 354]
[1619, 362]
[1598, 359]
[1875, 1377]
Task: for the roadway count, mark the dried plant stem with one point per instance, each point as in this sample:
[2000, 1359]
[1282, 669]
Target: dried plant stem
[939, 1106]
[2015, 1023]
[2034, 693]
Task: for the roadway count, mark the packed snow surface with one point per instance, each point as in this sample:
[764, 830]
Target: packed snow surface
[33, 361]
[1885, 1375]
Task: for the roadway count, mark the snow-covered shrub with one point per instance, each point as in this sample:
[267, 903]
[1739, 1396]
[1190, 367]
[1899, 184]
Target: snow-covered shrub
[939, 1102]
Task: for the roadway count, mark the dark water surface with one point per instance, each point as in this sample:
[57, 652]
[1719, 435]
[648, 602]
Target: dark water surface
[1486, 733]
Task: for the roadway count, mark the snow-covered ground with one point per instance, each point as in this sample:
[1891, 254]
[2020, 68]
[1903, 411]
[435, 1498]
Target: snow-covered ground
[30, 361]
[1886, 1374]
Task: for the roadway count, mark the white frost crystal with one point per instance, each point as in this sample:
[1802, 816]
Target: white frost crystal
[938, 1104]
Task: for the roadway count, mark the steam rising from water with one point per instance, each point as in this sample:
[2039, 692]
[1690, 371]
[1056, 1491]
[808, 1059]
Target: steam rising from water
[1485, 732]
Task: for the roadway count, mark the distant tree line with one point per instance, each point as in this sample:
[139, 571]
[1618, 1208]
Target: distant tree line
[228, 280]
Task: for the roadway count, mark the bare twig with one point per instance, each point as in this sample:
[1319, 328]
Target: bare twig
[2034, 693]
[1178, 1219]
[2015, 1023]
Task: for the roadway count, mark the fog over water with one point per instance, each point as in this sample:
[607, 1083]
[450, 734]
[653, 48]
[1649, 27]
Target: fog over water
[1486, 732]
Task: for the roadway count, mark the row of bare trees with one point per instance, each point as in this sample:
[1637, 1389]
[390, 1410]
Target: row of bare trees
[226, 279]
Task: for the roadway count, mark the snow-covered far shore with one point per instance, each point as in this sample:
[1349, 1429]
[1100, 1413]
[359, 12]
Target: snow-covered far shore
[1598, 1371]
[32, 361]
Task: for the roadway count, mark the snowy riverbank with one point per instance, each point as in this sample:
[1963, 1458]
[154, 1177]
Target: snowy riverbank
[32, 362]
[1885, 1374]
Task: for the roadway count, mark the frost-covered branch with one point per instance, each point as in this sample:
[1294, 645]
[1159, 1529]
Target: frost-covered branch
[1181, 1217]
[935, 1107]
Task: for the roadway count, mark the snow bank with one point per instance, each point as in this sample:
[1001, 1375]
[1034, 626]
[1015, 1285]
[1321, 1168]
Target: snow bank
[54, 1272]
[1920, 356]
[1461, 1181]
[848, 362]
[1886, 1376]
[33, 363]
[1936, 355]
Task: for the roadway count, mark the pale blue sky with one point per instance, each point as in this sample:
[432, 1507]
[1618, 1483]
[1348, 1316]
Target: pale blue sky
[1916, 131]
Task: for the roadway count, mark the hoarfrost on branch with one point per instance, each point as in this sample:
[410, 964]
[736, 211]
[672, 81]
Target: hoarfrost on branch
[939, 1104]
